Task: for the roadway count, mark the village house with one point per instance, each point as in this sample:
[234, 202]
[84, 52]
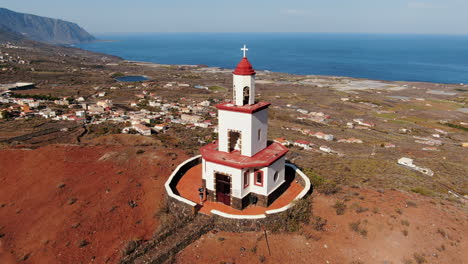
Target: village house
[142, 129]
[303, 144]
[282, 141]
[80, 113]
[190, 118]
[105, 103]
[203, 125]
[325, 149]
[33, 104]
[427, 141]
[154, 104]
[47, 113]
[160, 127]
[321, 135]
[62, 102]
[362, 123]
[205, 103]
[95, 109]
[407, 162]
[430, 149]
[350, 140]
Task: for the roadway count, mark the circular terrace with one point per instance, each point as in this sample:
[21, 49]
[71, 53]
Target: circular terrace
[183, 185]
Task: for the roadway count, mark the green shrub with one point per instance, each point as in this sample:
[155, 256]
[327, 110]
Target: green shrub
[319, 223]
[292, 219]
[321, 184]
[422, 191]
[35, 96]
[456, 126]
[419, 258]
[356, 227]
[329, 187]
[216, 88]
[340, 207]
[315, 179]
[117, 75]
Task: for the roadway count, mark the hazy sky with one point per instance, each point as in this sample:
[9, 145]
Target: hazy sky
[363, 16]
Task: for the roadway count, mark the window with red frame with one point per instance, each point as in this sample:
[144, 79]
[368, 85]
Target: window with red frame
[258, 178]
[246, 179]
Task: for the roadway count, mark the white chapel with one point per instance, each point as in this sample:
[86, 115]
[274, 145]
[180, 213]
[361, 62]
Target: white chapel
[243, 167]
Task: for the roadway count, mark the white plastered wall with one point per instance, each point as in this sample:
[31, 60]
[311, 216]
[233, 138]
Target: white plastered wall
[248, 125]
[269, 185]
[277, 166]
[239, 82]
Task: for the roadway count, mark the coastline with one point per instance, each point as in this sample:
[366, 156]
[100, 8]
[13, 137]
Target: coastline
[354, 80]
[424, 58]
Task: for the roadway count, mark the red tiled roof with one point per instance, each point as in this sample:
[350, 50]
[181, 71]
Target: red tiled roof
[280, 140]
[244, 68]
[234, 159]
[244, 108]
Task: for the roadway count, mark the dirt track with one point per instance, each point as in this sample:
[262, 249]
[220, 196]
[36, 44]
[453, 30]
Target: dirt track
[70, 204]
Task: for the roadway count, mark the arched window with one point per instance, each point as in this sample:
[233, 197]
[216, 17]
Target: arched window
[246, 93]
[275, 177]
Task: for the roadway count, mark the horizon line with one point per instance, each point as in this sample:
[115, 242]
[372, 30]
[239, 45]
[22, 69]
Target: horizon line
[282, 32]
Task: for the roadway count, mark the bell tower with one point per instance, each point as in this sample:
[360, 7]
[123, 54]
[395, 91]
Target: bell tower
[244, 82]
[243, 164]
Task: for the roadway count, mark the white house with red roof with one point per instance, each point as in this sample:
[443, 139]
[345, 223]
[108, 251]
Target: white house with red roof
[242, 167]
[303, 144]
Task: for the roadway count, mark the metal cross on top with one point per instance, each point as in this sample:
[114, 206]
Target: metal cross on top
[244, 49]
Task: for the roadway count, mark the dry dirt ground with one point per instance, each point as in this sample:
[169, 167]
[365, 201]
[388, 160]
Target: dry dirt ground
[395, 227]
[71, 204]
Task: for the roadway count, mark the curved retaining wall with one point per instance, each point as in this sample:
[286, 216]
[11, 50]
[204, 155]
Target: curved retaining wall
[178, 205]
[182, 207]
[239, 223]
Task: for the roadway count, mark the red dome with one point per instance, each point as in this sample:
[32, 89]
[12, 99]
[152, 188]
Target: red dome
[244, 68]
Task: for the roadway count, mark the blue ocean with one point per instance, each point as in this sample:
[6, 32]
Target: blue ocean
[427, 58]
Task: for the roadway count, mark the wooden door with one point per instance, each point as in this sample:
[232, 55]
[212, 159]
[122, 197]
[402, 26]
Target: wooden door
[223, 189]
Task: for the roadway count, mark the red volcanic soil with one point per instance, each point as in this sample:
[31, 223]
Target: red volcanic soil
[436, 232]
[71, 204]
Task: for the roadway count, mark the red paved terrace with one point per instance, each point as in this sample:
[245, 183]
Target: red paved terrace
[188, 186]
[234, 159]
[243, 108]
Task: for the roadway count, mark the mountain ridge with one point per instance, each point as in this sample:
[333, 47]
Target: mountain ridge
[49, 30]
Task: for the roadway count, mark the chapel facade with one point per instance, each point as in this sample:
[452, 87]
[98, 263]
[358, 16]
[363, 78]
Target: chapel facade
[243, 167]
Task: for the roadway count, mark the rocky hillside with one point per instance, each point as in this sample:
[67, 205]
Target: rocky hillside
[7, 35]
[49, 30]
